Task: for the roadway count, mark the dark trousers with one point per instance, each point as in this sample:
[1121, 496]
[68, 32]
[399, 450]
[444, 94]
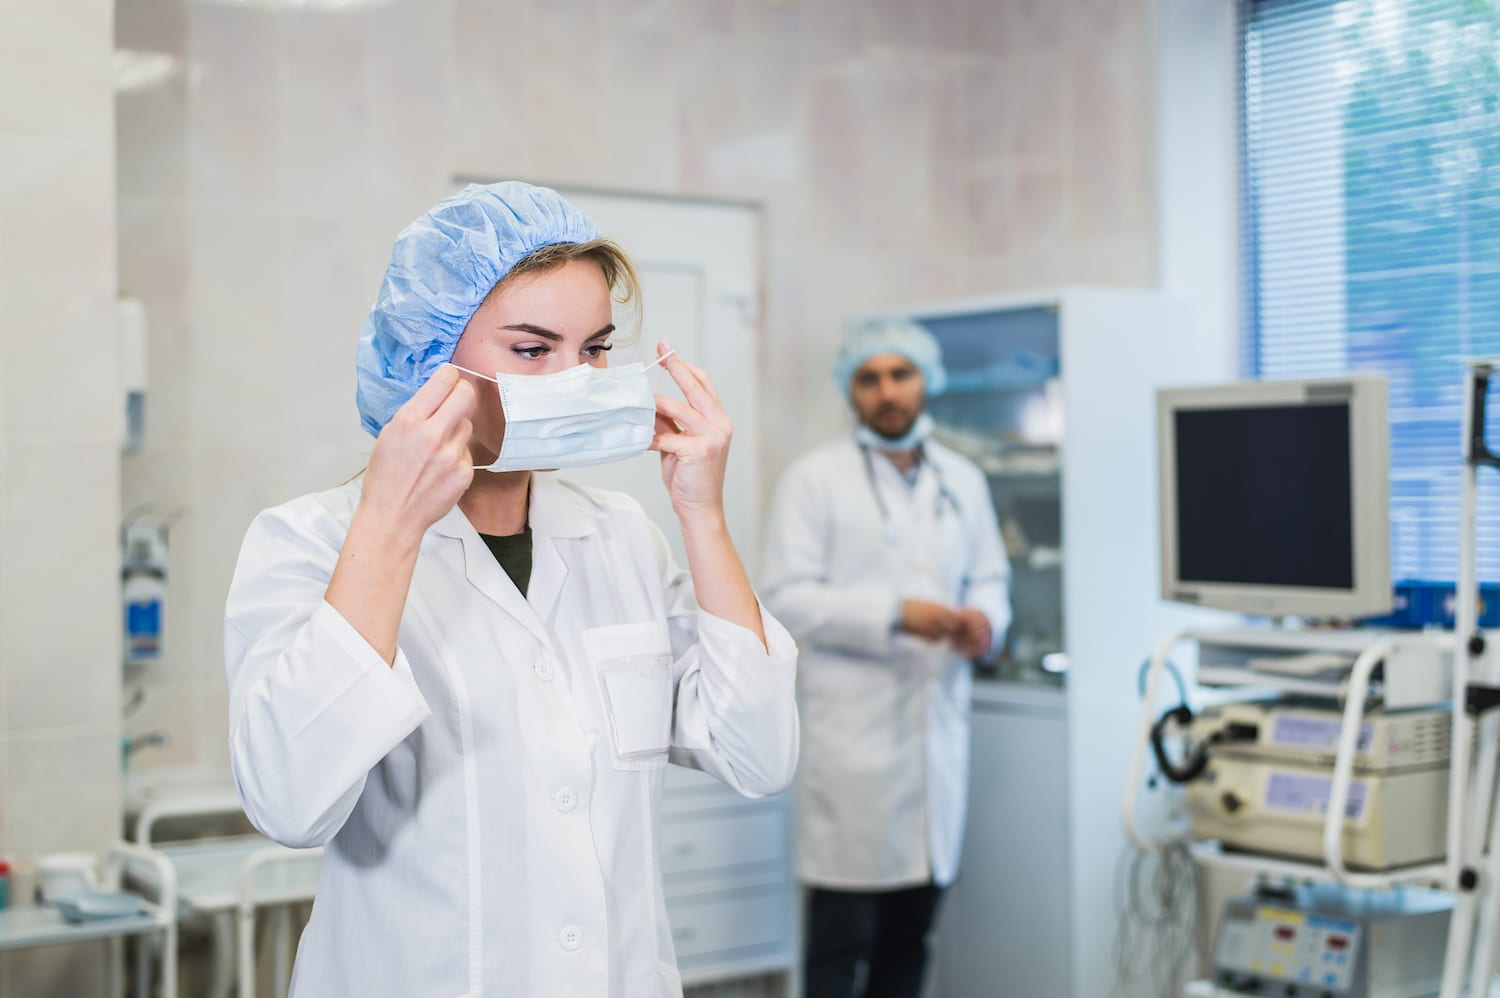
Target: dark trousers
[885, 932]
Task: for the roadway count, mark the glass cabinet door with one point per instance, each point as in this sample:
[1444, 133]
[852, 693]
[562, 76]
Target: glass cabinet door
[1003, 410]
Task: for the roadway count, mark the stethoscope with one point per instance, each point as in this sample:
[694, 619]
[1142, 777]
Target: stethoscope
[943, 492]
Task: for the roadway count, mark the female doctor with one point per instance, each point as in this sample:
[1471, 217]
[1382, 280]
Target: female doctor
[466, 683]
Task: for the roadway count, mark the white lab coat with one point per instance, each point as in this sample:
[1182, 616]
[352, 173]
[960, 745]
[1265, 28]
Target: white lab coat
[485, 834]
[882, 787]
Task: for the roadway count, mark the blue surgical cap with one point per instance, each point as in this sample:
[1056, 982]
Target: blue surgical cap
[866, 338]
[441, 268]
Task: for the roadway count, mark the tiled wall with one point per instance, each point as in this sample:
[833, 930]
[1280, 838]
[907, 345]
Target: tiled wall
[59, 452]
[902, 152]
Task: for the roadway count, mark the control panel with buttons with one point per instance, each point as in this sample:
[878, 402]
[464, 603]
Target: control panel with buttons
[1323, 942]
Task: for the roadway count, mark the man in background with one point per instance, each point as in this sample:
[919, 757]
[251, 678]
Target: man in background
[884, 560]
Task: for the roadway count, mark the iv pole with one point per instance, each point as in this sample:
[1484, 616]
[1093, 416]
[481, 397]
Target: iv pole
[1473, 805]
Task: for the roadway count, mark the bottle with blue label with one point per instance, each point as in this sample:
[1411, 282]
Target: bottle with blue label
[144, 588]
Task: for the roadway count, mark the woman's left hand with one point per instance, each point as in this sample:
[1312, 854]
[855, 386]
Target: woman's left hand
[693, 438]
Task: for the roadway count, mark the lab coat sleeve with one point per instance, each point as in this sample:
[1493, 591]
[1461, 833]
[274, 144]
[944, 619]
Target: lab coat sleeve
[735, 709]
[986, 584]
[312, 707]
[859, 617]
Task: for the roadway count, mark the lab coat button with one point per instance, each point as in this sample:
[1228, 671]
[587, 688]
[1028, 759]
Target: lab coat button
[571, 937]
[544, 670]
[566, 799]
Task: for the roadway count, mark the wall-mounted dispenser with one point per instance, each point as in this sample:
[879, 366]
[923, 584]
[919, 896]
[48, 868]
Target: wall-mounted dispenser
[131, 335]
[143, 575]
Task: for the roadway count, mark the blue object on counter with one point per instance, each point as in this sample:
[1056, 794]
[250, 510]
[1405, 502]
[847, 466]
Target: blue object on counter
[92, 906]
[1418, 604]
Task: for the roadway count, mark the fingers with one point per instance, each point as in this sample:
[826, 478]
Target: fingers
[706, 382]
[974, 634]
[670, 443]
[665, 425]
[687, 418]
[697, 387]
[430, 397]
[459, 405]
[460, 432]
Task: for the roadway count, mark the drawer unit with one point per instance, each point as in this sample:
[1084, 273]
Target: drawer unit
[727, 874]
[731, 925]
[719, 843]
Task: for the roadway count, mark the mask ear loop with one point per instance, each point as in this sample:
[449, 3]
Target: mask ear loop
[475, 373]
[477, 467]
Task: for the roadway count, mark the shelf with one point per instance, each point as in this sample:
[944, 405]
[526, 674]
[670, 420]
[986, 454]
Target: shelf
[1219, 675]
[1212, 854]
[43, 925]
[209, 873]
[1350, 641]
[1416, 671]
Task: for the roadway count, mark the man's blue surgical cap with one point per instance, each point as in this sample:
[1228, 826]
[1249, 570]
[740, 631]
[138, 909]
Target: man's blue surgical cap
[441, 268]
[866, 338]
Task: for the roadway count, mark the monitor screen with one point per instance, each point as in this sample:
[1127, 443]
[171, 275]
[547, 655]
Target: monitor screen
[1274, 496]
[1264, 496]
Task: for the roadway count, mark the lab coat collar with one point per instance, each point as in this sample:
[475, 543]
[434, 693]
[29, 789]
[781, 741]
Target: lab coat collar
[558, 511]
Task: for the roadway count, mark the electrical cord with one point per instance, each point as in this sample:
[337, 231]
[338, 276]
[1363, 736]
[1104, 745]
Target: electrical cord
[1156, 892]
[1196, 760]
[1155, 901]
[1172, 670]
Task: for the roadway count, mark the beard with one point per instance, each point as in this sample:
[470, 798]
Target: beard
[892, 422]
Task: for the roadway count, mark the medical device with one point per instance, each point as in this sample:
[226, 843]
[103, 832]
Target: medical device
[1309, 735]
[1324, 942]
[1259, 777]
[1391, 819]
[1274, 497]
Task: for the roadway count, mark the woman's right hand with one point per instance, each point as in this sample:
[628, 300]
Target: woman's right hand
[421, 464]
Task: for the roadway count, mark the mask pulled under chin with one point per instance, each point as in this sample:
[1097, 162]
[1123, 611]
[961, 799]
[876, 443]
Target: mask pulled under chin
[575, 418]
[919, 434]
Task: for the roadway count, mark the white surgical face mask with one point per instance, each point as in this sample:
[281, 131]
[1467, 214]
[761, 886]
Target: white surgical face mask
[574, 418]
[920, 432]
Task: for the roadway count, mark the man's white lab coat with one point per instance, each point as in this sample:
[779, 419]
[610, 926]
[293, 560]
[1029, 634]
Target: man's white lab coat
[881, 788]
[490, 804]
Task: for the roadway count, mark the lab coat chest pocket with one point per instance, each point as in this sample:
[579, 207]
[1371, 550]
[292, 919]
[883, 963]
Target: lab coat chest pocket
[632, 666]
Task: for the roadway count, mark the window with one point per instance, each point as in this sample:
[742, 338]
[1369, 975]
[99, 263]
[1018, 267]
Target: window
[1371, 173]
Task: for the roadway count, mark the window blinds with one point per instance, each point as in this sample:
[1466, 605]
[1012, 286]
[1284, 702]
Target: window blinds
[1371, 201]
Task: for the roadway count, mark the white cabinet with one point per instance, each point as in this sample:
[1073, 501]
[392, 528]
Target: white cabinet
[726, 868]
[1006, 917]
[1054, 396]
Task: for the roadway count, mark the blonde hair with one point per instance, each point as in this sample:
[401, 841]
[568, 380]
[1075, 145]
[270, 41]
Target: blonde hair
[619, 273]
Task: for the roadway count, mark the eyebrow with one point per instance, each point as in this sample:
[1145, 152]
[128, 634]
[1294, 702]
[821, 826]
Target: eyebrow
[547, 334]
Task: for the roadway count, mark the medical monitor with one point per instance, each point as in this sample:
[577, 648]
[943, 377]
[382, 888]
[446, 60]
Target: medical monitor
[1274, 497]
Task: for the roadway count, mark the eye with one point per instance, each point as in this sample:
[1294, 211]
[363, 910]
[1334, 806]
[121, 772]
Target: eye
[598, 349]
[529, 352]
